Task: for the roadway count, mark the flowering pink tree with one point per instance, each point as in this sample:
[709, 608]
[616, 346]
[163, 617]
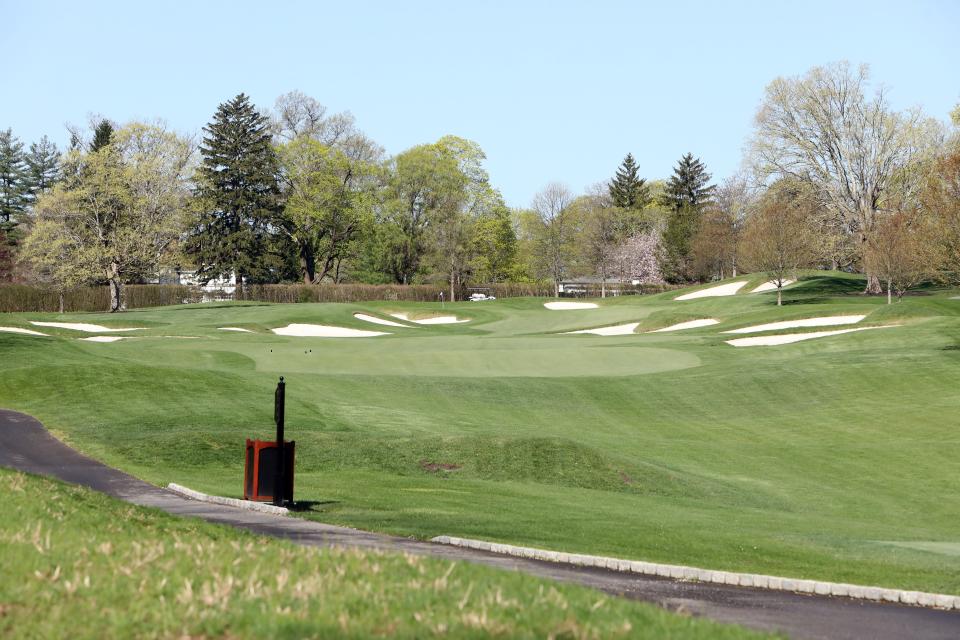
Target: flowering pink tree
[636, 258]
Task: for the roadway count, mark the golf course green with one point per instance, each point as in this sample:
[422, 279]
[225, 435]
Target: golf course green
[835, 458]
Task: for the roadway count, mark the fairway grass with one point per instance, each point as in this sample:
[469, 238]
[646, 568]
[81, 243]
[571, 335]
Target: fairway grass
[832, 459]
[77, 564]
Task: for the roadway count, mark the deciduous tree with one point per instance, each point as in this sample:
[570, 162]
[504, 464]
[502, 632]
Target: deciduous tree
[825, 128]
[902, 252]
[778, 239]
[115, 219]
[328, 205]
[554, 231]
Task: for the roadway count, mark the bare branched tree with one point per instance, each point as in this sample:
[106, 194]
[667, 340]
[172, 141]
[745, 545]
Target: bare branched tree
[824, 128]
[552, 206]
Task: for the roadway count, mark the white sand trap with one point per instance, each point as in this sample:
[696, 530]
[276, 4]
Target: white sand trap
[827, 321]
[240, 329]
[568, 306]
[616, 330]
[690, 324]
[787, 338]
[728, 289]
[324, 331]
[771, 286]
[102, 339]
[26, 332]
[433, 320]
[81, 326]
[376, 320]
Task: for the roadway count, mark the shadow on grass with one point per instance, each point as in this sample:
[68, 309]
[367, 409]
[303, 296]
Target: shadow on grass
[310, 505]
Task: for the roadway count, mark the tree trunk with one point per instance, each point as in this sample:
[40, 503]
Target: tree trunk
[779, 296]
[889, 292]
[603, 288]
[308, 264]
[60, 296]
[116, 288]
[453, 290]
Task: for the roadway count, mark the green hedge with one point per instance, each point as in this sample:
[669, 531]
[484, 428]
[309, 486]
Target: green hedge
[25, 298]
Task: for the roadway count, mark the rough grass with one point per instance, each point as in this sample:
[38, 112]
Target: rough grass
[830, 459]
[77, 564]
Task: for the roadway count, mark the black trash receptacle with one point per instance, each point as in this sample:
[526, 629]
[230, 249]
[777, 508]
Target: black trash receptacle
[260, 470]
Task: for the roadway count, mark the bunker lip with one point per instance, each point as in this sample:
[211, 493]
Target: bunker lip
[615, 330]
[82, 326]
[559, 305]
[771, 286]
[102, 339]
[728, 289]
[26, 332]
[375, 320]
[238, 329]
[689, 324]
[324, 331]
[789, 338]
[821, 321]
[430, 320]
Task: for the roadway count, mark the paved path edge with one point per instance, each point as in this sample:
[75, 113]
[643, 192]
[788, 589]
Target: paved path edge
[679, 572]
[249, 505]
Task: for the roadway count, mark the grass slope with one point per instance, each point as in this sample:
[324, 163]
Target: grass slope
[833, 459]
[77, 564]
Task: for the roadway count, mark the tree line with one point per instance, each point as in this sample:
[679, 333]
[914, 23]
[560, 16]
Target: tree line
[833, 177]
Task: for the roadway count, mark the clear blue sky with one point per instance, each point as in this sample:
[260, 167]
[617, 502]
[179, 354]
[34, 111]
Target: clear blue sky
[550, 90]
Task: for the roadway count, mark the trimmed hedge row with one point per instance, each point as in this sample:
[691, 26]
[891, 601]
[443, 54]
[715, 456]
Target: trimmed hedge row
[19, 298]
[24, 298]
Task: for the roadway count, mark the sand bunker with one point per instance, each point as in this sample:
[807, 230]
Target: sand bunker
[616, 330]
[728, 289]
[690, 324]
[102, 339]
[766, 341]
[433, 320]
[26, 332]
[567, 306]
[827, 321]
[376, 320]
[81, 326]
[241, 330]
[771, 286]
[324, 331]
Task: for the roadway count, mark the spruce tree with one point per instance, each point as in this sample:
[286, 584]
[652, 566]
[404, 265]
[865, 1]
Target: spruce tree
[14, 186]
[43, 166]
[689, 185]
[627, 189]
[238, 194]
[686, 193]
[101, 136]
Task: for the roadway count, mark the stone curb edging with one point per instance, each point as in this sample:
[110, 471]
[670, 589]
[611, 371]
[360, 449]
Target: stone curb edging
[228, 502]
[679, 572]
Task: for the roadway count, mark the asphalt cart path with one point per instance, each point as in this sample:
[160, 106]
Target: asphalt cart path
[27, 446]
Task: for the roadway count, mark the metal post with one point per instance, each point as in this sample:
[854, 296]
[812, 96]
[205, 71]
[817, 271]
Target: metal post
[278, 406]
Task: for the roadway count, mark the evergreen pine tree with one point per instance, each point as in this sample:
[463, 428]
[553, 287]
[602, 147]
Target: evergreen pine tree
[238, 194]
[627, 189]
[43, 166]
[101, 136]
[689, 184]
[14, 185]
[685, 194]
